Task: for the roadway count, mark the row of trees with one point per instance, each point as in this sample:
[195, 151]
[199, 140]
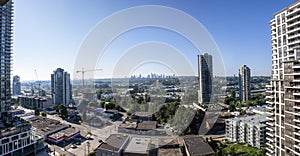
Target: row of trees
[235, 104]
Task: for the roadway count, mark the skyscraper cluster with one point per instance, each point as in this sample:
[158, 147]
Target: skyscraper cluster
[61, 88]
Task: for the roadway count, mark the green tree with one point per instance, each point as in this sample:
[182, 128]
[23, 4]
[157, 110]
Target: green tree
[128, 113]
[101, 104]
[43, 114]
[62, 110]
[109, 105]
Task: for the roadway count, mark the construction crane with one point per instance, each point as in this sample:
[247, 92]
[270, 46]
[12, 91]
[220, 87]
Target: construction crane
[83, 71]
[39, 83]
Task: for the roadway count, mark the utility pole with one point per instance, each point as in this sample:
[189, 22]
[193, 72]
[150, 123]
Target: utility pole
[83, 72]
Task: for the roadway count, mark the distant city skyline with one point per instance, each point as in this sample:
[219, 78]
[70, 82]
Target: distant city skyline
[51, 39]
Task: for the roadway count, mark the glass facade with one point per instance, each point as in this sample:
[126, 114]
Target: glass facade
[6, 18]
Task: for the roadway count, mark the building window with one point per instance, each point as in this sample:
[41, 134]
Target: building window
[278, 20]
[284, 39]
[283, 17]
[283, 28]
[278, 30]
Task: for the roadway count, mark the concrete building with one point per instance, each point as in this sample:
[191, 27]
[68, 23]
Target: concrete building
[244, 83]
[61, 88]
[19, 140]
[205, 73]
[247, 129]
[16, 85]
[113, 145]
[32, 102]
[283, 92]
[138, 146]
[169, 147]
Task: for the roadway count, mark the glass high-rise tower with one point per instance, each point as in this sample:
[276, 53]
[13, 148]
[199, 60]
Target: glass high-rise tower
[6, 21]
[244, 83]
[205, 73]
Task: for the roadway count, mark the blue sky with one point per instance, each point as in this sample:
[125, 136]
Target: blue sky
[48, 34]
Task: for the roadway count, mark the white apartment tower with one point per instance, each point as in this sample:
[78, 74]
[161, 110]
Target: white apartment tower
[283, 131]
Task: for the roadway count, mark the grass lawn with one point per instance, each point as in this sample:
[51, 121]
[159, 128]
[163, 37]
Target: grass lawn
[239, 149]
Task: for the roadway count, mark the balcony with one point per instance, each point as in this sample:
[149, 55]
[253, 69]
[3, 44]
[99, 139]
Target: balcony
[270, 124]
[270, 108]
[293, 18]
[269, 145]
[270, 119]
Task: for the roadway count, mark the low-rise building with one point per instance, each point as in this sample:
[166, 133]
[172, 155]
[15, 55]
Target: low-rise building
[52, 130]
[169, 152]
[113, 145]
[142, 128]
[138, 146]
[247, 129]
[142, 116]
[196, 146]
[32, 102]
[169, 147]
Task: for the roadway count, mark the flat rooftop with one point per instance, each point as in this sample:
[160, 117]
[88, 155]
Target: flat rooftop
[147, 125]
[197, 146]
[128, 125]
[46, 125]
[256, 120]
[168, 142]
[65, 132]
[143, 114]
[169, 152]
[138, 145]
[114, 142]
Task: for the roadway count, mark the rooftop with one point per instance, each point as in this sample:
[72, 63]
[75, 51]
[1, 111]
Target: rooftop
[142, 114]
[46, 125]
[128, 125]
[147, 125]
[168, 142]
[114, 142]
[138, 145]
[169, 152]
[257, 120]
[197, 146]
[65, 132]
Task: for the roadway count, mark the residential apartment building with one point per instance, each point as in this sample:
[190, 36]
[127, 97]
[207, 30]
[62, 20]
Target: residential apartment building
[16, 85]
[283, 91]
[6, 16]
[61, 88]
[244, 83]
[20, 140]
[16, 136]
[205, 73]
[247, 129]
